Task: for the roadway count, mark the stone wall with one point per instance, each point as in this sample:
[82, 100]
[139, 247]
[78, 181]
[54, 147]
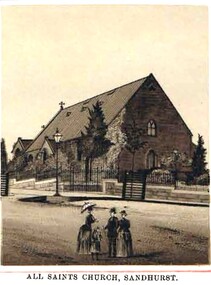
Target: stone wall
[160, 193]
[22, 184]
[32, 184]
[112, 187]
[111, 159]
[171, 194]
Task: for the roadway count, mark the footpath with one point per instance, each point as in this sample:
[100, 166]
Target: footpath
[78, 198]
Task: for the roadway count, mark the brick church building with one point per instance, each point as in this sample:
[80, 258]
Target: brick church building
[144, 101]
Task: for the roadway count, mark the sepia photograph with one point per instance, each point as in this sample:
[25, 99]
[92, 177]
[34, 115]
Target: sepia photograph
[104, 136]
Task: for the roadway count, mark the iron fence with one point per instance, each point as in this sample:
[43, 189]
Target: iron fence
[81, 180]
[78, 178]
[24, 175]
[73, 175]
[47, 174]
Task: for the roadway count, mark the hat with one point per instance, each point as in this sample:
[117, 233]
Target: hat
[86, 206]
[113, 210]
[123, 212]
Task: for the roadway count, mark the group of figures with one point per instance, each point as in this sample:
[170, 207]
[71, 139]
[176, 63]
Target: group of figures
[118, 234]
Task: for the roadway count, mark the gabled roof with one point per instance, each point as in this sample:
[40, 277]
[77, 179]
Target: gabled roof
[51, 143]
[24, 143]
[72, 120]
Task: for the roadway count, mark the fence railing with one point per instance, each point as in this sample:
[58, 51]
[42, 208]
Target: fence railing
[22, 175]
[45, 174]
[76, 176]
[73, 175]
[96, 175]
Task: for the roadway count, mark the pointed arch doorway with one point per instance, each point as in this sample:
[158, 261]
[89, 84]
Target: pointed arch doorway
[152, 160]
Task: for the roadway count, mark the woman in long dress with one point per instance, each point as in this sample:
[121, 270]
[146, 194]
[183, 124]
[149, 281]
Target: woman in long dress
[85, 231]
[124, 239]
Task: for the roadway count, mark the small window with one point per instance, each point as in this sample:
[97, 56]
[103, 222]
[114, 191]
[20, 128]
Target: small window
[111, 92]
[86, 101]
[84, 108]
[79, 152]
[45, 154]
[30, 158]
[151, 128]
[68, 114]
[79, 155]
[17, 152]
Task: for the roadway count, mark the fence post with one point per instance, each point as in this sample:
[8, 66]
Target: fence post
[70, 178]
[97, 179]
[124, 185]
[73, 179]
[86, 181]
[36, 173]
[131, 186]
[144, 184]
[16, 174]
[175, 180]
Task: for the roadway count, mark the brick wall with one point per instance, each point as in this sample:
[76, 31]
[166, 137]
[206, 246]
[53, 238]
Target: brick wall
[172, 132]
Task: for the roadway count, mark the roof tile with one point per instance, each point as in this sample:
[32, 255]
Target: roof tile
[72, 120]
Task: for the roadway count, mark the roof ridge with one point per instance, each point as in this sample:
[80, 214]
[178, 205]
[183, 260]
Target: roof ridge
[107, 91]
[37, 136]
[132, 87]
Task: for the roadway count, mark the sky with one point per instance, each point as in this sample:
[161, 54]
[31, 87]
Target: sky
[54, 53]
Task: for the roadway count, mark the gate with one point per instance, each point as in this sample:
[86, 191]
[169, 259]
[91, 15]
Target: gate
[134, 185]
[4, 184]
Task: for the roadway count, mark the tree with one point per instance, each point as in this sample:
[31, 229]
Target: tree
[133, 137]
[171, 161]
[50, 163]
[93, 142]
[3, 157]
[198, 162]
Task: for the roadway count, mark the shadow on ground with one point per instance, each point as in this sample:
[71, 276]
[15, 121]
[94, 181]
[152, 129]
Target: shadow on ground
[50, 199]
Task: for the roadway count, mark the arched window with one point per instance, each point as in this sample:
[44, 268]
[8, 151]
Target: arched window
[30, 158]
[17, 152]
[79, 151]
[152, 159]
[151, 128]
[45, 154]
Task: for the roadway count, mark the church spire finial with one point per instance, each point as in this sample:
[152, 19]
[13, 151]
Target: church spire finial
[61, 105]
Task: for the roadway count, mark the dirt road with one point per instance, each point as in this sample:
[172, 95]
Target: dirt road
[43, 234]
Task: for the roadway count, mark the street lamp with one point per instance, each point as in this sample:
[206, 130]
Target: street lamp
[57, 137]
[176, 156]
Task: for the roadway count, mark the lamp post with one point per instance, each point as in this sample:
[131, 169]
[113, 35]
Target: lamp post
[176, 156]
[57, 137]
